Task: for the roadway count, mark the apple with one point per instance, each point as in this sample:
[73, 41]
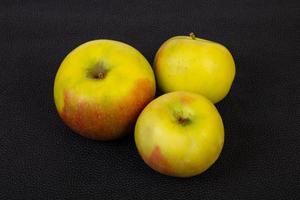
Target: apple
[179, 134]
[101, 87]
[196, 65]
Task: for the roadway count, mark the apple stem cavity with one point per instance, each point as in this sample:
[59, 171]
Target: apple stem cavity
[98, 71]
[192, 35]
[183, 120]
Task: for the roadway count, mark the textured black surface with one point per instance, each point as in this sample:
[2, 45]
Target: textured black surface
[40, 158]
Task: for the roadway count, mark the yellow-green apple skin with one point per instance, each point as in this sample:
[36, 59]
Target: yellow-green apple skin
[179, 134]
[188, 63]
[101, 87]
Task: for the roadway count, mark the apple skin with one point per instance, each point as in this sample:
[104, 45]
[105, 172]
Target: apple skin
[187, 63]
[179, 134]
[101, 87]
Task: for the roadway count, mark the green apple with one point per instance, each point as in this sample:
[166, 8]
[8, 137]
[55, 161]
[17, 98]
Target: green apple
[179, 134]
[101, 87]
[192, 64]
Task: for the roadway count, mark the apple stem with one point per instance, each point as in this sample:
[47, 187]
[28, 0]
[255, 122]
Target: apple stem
[101, 73]
[192, 35]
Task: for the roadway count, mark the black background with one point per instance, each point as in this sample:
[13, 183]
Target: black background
[41, 158]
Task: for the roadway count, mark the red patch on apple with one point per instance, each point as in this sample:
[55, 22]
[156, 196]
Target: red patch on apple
[90, 120]
[185, 99]
[157, 161]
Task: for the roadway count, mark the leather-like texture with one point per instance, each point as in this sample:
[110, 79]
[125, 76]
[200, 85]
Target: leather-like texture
[41, 158]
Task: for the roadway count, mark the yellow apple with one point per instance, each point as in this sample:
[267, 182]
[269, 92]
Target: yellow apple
[179, 134]
[101, 87]
[196, 65]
